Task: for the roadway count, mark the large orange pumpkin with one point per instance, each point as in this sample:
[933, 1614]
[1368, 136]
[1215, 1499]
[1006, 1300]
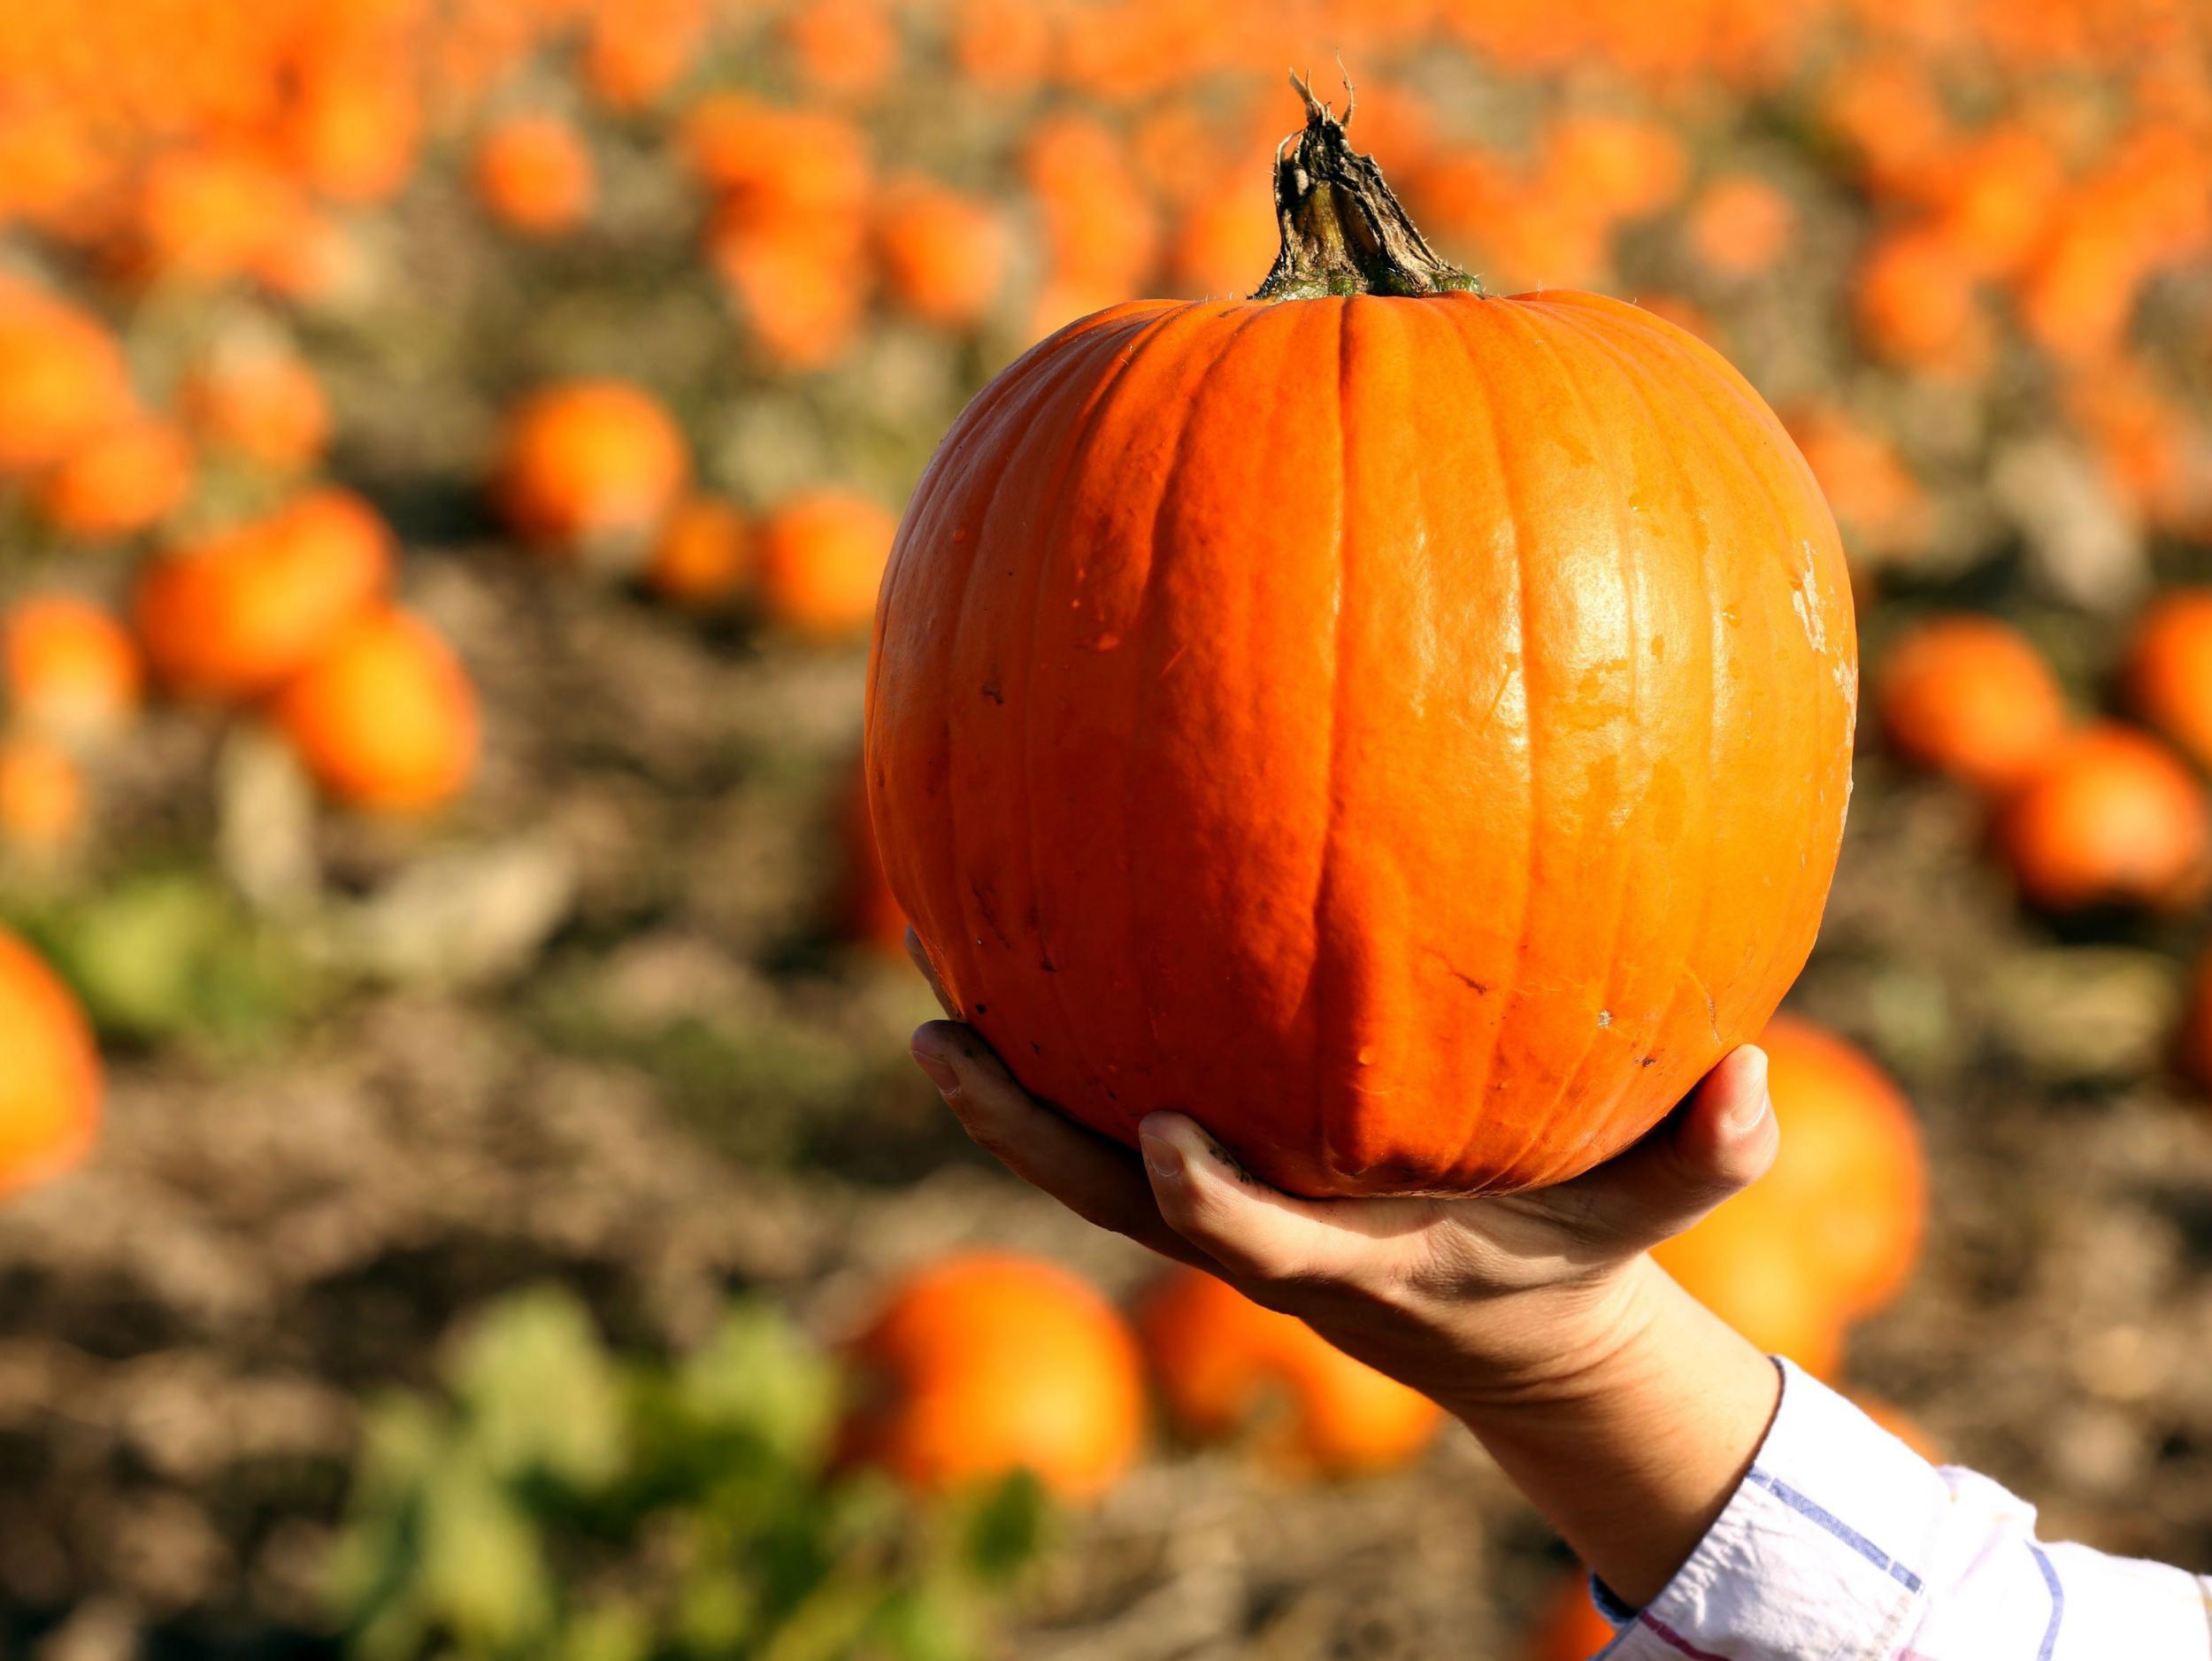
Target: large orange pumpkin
[1843, 1210]
[1355, 715]
[985, 1362]
[49, 1072]
[1219, 1358]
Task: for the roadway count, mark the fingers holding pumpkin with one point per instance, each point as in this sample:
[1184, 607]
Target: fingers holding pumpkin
[1103, 1183]
[1256, 1234]
[1720, 1141]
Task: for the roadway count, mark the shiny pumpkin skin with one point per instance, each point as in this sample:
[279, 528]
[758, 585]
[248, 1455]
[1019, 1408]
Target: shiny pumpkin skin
[1411, 735]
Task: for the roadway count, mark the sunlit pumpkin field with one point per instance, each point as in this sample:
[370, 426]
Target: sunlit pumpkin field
[466, 1193]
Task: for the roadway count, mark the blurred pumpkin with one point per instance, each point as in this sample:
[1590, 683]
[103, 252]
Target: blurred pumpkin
[49, 1072]
[73, 673]
[986, 1363]
[1762, 1287]
[1831, 1231]
[1619, 167]
[633, 54]
[532, 175]
[1568, 1627]
[703, 555]
[206, 212]
[62, 380]
[822, 556]
[1879, 506]
[119, 481]
[588, 464]
[42, 797]
[1969, 697]
[2110, 817]
[256, 399]
[384, 718]
[1225, 1364]
[1917, 303]
[2167, 676]
[1741, 225]
[230, 617]
[942, 255]
[841, 48]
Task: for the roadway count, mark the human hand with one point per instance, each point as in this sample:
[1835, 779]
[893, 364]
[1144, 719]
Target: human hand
[1477, 1303]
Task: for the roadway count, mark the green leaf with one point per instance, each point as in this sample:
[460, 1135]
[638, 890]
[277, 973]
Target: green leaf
[483, 1575]
[541, 1393]
[757, 1375]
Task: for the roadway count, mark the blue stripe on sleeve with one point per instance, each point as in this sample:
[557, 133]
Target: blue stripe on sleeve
[1854, 1539]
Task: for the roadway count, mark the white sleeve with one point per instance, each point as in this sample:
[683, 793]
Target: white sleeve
[1843, 1544]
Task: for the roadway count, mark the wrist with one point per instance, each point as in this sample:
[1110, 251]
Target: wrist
[1556, 1345]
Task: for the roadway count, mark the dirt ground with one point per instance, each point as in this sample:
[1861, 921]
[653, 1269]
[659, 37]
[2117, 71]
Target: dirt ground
[663, 1080]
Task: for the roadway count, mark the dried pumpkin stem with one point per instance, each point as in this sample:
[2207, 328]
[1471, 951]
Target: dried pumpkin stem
[1343, 231]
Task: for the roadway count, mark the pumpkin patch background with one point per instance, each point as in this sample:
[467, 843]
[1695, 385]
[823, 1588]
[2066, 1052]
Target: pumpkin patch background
[448, 448]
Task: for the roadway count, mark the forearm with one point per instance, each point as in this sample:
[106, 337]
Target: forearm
[1634, 1445]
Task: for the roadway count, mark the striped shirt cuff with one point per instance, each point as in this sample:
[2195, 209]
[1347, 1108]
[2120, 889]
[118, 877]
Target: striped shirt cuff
[1822, 1551]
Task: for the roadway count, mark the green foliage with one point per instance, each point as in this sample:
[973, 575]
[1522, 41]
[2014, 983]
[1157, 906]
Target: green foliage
[170, 954]
[559, 1501]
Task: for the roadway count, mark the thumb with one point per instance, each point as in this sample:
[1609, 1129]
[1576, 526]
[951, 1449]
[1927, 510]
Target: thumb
[1719, 1142]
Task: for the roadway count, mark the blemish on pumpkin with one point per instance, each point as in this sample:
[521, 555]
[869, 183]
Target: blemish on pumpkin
[1048, 966]
[1365, 1057]
[1036, 1049]
[1646, 1061]
[992, 690]
[983, 1009]
[1605, 1018]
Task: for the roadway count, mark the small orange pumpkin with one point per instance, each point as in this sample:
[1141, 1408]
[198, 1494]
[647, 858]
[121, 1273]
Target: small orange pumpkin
[986, 1363]
[1969, 697]
[62, 378]
[942, 255]
[821, 561]
[119, 481]
[49, 1072]
[231, 617]
[2168, 674]
[72, 670]
[589, 463]
[41, 796]
[385, 717]
[259, 401]
[703, 555]
[1218, 1357]
[2111, 817]
[1741, 225]
[532, 175]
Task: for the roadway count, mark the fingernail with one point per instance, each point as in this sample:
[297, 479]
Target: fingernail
[938, 1072]
[1162, 1157]
[1747, 1115]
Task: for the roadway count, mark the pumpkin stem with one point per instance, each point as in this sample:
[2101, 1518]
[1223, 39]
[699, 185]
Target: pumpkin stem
[1343, 231]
